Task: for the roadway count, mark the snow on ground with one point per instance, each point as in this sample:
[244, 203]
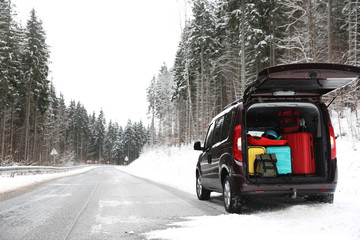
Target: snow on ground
[9, 184]
[175, 167]
[297, 222]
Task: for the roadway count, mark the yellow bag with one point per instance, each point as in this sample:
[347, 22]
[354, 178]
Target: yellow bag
[252, 152]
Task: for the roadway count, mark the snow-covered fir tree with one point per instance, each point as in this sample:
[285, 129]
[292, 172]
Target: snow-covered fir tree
[36, 85]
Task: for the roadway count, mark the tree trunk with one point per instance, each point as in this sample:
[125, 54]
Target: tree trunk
[2, 134]
[27, 124]
[243, 55]
[338, 116]
[272, 36]
[312, 32]
[11, 143]
[330, 41]
[34, 149]
[203, 95]
[190, 109]
[81, 148]
[152, 130]
[356, 33]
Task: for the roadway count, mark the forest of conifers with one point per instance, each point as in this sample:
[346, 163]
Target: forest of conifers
[34, 120]
[225, 43]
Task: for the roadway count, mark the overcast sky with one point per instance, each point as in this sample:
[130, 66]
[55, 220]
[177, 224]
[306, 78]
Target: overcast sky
[105, 53]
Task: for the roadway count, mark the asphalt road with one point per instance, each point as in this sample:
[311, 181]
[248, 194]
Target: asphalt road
[103, 203]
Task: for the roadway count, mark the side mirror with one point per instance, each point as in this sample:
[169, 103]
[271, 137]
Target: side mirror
[197, 146]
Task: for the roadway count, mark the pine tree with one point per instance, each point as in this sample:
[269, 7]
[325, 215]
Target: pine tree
[82, 132]
[352, 14]
[119, 147]
[202, 49]
[99, 135]
[35, 68]
[129, 141]
[10, 48]
[51, 132]
[151, 98]
[92, 148]
[5, 22]
[184, 87]
[62, 120]
[164, 108]
[180, 93]
[227, 67]
[338, 31]
[110, 142]
[71, 128]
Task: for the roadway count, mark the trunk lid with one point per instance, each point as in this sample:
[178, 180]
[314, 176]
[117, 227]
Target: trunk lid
[302, 79]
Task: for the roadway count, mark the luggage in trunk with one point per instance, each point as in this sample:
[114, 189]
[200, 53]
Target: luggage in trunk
[283, 156]
[252, 152]
[265, 165]
[289, 121]
[302, 152]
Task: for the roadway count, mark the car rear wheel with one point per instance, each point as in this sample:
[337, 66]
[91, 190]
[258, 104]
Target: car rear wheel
[232, 201]
[201, 192]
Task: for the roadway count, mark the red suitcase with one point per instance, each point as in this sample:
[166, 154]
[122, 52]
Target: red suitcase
[302, 152]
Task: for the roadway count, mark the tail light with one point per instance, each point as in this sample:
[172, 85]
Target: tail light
[237, 144]
[332, 142]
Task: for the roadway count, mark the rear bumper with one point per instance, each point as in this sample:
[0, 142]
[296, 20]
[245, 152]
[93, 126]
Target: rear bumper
[278, 189]
[289, 192]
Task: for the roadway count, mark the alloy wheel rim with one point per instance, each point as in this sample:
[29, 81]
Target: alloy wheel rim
[199, 186]
[227, 193]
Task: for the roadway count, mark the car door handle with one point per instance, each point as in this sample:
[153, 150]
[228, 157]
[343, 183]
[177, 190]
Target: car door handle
[209, 158]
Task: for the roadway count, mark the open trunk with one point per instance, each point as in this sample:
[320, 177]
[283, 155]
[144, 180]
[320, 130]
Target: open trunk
[309, 123]
[286, 99]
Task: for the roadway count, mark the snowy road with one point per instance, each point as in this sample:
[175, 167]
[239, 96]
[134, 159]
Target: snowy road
[103, 203]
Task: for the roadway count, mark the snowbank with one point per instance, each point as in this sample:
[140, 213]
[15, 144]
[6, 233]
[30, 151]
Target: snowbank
[174, 166]
[348, 161]
[8, 184]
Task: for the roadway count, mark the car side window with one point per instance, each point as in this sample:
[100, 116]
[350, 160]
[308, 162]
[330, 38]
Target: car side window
[218, 127]
[209, 141]
[225, 131]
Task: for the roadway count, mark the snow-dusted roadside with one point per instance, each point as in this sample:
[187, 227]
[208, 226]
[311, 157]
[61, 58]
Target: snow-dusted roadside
[8, 184]
[298, 222]
[171, 166]
[175, 167]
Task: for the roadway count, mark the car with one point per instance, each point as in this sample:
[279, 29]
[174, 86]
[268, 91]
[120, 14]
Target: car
[276, 141]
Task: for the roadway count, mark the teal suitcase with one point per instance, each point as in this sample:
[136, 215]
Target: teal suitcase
[283, 156]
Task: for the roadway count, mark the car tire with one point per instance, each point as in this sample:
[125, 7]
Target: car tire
[232, 201]
[201, 192]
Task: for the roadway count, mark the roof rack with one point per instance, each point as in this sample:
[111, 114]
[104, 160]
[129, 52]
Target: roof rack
[233, 103]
